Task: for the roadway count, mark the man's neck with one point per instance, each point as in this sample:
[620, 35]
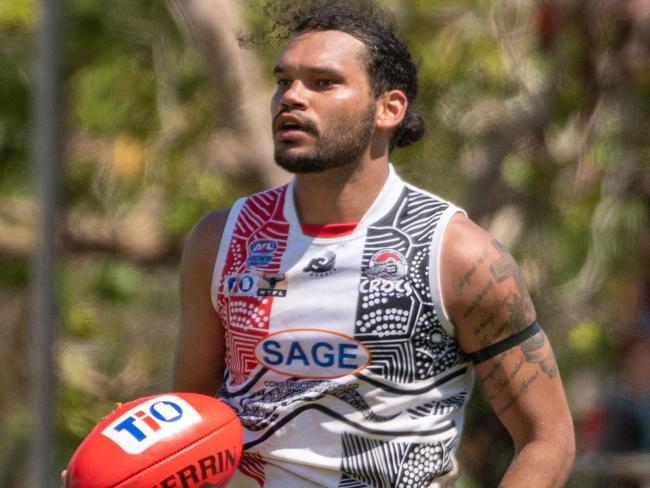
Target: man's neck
[342, 194]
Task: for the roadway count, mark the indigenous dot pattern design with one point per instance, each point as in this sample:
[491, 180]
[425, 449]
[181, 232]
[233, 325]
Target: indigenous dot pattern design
[258, 411]
[386, 322]
[398, 322]
[387, 464]
[246, 318]
[439, 407]
[396, 319]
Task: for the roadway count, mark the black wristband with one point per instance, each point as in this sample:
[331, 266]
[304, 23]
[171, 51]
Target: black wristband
[502, 346]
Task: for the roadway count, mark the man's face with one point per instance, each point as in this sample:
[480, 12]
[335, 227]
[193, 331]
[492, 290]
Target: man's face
[323, 110]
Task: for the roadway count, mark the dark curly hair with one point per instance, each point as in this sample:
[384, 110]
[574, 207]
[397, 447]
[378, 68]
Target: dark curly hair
[388, 62]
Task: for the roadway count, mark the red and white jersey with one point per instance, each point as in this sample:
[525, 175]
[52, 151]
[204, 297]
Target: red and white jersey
[340, 359]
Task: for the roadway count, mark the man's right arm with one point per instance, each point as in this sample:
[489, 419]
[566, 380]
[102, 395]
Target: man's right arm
[199, 360]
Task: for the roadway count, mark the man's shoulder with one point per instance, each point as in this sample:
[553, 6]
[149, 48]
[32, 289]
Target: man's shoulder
[466, 252]
[211, 226]
[211, 223]
[481, 279]
[466, 241]
[206, 234]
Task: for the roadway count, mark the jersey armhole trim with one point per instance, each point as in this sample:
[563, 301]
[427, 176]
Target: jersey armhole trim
[223, 249]
[435, 258]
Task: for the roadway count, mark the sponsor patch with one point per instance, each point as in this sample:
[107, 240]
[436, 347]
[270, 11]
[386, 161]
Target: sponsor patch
[375, 286]
[260, 252]
[387, 264]
[241, 284]
[312, 353]
[151, 421]
[272, 285]
[256, 284]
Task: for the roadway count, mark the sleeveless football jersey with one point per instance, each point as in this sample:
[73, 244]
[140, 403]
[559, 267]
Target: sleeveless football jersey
[340, 360]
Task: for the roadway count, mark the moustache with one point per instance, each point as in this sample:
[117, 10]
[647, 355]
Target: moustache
[305, 123]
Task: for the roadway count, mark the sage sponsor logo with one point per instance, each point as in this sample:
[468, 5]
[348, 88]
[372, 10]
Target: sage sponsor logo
[312, 353]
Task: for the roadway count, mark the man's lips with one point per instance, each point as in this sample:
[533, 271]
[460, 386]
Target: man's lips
[289, 134]
[287, 126]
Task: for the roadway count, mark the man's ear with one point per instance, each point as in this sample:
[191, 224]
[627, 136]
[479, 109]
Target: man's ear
[391, 109]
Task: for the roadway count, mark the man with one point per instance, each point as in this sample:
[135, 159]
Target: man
[340, 315]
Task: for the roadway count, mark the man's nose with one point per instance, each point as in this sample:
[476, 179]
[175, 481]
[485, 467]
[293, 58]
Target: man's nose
[294, 96]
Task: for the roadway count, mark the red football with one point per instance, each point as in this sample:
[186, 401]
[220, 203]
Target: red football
[170, 440]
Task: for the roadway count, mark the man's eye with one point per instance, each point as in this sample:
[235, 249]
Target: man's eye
[283, 83]
[324, 83]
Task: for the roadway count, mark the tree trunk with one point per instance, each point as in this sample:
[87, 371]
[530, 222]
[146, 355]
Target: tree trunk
[245, 148]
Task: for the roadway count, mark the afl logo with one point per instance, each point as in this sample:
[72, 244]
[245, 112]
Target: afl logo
[312, 353]
[387, 264]
[263, 246]
[261, 252]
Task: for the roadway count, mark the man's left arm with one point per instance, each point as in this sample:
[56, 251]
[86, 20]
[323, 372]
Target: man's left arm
[494, 319]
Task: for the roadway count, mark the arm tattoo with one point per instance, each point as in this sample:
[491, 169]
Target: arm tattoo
[511, 312]
[508, 381]
[523, 389]
[501, 381]
[516, 315]
[532, 349]
[519, 307]
[533, 353]
[481, 330]
[479, 298]
[467, 277]
[505, 267]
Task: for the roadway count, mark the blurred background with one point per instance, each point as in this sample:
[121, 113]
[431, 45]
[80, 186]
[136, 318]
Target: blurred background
[538, 124]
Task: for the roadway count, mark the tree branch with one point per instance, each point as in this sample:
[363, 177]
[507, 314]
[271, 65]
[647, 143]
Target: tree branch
[245, 148]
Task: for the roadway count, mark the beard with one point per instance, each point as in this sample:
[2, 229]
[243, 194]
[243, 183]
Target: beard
[344, 142]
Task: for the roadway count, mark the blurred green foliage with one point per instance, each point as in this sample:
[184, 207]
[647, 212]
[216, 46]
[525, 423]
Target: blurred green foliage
[546, 117]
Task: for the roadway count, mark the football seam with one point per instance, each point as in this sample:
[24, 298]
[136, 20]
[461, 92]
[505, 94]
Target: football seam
[176, 453]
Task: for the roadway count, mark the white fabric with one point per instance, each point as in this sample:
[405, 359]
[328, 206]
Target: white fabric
[341, 361]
